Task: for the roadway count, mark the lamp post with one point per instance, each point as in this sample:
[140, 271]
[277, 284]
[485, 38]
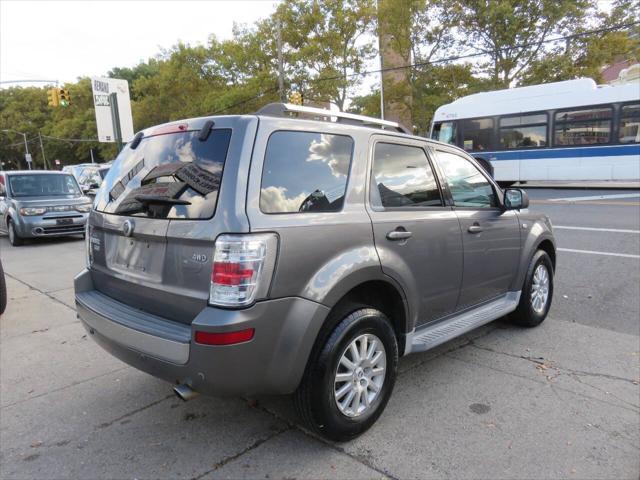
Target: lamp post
[26, 146]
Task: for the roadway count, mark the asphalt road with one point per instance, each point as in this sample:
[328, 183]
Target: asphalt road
[558, 401]
[598, 289]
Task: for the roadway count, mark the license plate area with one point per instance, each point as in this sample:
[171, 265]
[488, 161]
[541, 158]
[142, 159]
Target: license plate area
[138, 257]
[64, 221]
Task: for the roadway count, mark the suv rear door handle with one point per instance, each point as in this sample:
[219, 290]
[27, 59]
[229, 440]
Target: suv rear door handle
[475, 228]
[398, 234]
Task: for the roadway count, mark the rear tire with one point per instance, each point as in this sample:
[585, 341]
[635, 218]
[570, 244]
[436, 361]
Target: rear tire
[537, 292]
[14, 238]
[318, 399]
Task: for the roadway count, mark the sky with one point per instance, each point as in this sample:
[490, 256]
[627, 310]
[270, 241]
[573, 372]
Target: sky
[62, 40]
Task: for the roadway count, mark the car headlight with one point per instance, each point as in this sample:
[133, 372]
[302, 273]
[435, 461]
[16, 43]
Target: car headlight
[84, 208]
[29, 211]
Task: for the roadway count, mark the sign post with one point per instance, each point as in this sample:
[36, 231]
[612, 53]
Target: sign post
[113, 110]
[115, 118]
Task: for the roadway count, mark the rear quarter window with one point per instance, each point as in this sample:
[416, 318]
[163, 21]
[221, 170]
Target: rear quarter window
[305, 172]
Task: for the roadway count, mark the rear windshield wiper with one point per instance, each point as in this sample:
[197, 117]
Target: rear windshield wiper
[145, 199]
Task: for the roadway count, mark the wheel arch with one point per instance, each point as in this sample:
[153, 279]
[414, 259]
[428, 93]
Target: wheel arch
[381, 294]
[547, 246]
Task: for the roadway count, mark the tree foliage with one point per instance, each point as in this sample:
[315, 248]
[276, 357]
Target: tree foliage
[327, 47]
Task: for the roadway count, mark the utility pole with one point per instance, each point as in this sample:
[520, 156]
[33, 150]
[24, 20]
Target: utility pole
[381, 76]
[280, 67]
[27, 155]
[91, 151]
[44, 159]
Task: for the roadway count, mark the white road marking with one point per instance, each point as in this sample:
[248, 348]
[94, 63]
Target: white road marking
[592, 252]
[594, 229]
[595, 197]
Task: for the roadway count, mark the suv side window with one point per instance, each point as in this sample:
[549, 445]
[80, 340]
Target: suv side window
[468, 186]
[305, 172]
[403, 177]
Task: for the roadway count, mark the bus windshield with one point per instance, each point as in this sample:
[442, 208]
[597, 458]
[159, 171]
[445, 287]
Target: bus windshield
[444, 132]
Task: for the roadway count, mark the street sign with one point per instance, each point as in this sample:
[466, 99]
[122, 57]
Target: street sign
[57, 161]
[103, 88]
[28, 158]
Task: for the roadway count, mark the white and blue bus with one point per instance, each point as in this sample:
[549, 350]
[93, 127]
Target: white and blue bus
[573, 130]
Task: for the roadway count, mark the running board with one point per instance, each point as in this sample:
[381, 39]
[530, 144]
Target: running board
[430, 336]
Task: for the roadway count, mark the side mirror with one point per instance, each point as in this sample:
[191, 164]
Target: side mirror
[515, 199]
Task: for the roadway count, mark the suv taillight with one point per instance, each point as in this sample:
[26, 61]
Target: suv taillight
[87, 244]
[242, 268]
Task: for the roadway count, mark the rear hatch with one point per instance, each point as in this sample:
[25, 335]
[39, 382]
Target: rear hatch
[155, 221]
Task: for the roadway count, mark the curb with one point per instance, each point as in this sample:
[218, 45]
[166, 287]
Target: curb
[571, 186]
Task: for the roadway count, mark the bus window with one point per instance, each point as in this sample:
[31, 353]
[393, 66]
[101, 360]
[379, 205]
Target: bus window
[629, 131]
[583, 127]
[477, 133]
[523, 131]
[444, 132]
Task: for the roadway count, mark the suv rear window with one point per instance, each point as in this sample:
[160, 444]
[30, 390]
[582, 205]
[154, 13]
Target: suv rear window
[305, 172]
[173, 176]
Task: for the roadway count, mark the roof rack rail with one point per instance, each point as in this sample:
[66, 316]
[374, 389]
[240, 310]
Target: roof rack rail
[280, 109]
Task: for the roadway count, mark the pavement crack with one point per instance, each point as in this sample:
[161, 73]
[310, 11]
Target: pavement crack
[328, 443]
[541, 361]
[40, 291]
[251, 447]
[541, 382]
[133, 412]
[62, 388]
[606, 392]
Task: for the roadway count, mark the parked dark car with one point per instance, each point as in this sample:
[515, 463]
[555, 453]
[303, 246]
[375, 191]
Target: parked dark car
[3, 290]
[276, 254]
[41, 203]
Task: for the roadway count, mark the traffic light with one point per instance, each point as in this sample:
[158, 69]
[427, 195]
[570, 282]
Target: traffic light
[295, 98]
[65, 98]
[52, 97]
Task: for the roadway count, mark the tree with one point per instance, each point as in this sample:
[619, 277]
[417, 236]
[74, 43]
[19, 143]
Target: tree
[394, 37]
[585, 55]
[513, 33]
[142, 70]
[324, 45]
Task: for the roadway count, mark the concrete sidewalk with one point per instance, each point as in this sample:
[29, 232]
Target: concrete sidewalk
[558, 401]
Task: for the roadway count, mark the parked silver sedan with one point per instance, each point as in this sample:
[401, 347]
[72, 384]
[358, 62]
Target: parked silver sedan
[41, 204]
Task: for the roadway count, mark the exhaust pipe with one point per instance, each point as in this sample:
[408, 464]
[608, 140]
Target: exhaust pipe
[185, 392]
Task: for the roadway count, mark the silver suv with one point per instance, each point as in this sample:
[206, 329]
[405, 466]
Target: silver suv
[302, 250]
[41, 203]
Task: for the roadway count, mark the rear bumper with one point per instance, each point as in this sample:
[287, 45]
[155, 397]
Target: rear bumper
[38, 226]
[271, 363]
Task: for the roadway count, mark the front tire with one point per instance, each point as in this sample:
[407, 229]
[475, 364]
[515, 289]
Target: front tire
[349, 379]
[537, 292]
[14, 238]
